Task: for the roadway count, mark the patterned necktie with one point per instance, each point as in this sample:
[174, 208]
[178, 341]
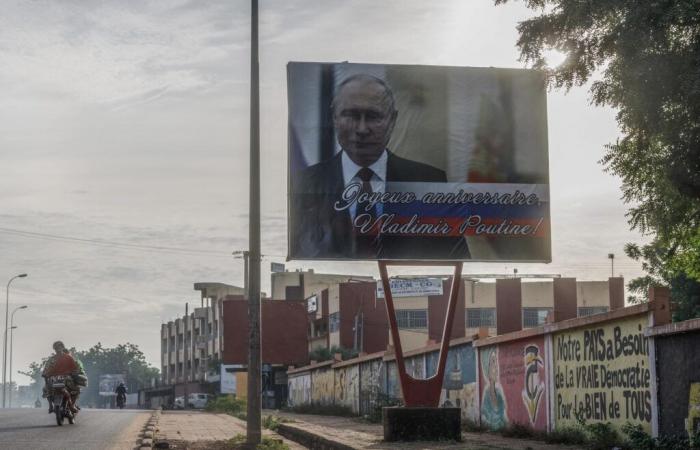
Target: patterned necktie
[367, 244]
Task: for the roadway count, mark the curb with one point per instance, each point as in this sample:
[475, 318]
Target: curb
[310, 440]
[145, 442]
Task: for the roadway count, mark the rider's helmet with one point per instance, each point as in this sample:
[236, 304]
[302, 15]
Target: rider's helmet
[58, 346]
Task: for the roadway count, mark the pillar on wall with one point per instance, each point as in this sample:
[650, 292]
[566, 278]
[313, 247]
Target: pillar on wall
[616, 288]
[509, 305]
[565, 303]
[660, 301]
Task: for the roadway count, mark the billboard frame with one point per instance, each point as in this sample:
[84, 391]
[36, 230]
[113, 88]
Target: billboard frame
[421, 392]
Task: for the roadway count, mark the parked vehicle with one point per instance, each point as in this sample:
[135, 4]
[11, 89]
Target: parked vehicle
[59, 395]
[198, 401]
[194, 401]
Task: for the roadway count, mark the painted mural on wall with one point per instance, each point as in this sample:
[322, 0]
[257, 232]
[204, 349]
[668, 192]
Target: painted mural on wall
[493, 399]
[347, 387]
[322, 386]
[602, 374]
[299, 389]
[393, 385]
[513, 379]
[459, 382]
[415, 367]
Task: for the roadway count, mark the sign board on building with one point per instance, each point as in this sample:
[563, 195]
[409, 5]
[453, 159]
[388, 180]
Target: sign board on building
[312, 304]
[412, 287]
[276, 267]
[109, 382]
[228, 377]
[413, 162]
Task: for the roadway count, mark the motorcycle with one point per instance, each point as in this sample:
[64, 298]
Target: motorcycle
[58, 396]
[121, 401]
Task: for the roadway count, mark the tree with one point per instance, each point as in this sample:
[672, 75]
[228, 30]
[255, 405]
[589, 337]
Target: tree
[125, 359]
[643, 59]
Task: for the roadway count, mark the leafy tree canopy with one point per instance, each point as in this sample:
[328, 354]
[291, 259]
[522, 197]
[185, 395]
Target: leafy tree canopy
[643, 59]
[125, 359]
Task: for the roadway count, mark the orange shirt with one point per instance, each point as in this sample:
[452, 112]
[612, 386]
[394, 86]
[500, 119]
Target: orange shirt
[62, 364]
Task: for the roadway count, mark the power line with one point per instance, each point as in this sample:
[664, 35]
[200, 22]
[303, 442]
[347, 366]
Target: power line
[119, 245]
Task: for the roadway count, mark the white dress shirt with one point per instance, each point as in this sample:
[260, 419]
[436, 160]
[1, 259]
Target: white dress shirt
[378, 180]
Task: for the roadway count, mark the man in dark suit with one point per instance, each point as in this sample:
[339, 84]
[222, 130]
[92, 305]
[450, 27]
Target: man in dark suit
[364, 116]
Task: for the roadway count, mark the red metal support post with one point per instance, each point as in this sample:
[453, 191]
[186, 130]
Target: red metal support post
[416, 392]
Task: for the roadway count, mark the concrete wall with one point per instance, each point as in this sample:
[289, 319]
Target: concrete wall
[603, 372]
[358, 383]
[678, 359]
[597, 367]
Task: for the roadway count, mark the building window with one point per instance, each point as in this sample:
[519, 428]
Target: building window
[481, 317]
[334, 322]
[412, 318]
[586, 311]
[534, 317]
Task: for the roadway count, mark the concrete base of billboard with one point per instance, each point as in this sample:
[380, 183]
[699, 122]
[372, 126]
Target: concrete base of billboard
[421, 424]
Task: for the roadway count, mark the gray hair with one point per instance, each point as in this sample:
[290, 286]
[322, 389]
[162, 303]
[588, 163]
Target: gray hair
[369, 78]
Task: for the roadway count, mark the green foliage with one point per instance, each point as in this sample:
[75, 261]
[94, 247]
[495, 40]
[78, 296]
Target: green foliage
[324, 354]
[643, 59]
[273, 422]
[567, 436]
[267, 443]
[602, 436]
[228, 404]
[125, 359]
[639, 439]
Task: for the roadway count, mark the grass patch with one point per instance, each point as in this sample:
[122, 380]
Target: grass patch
[566, 436]
[471, 426]
[228, 404]
[273, 422]
[266, 444]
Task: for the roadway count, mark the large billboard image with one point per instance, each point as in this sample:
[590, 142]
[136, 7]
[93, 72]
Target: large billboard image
[401, 162]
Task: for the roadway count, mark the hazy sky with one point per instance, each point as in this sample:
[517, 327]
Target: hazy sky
[127, 122]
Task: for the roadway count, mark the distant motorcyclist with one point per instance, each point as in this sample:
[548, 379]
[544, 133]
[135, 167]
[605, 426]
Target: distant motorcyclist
[62, 363]
[121, 394]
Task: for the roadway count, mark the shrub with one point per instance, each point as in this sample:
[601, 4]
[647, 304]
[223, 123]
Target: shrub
[266, 444]
[639, 439]
[602, 436]
[272, 422]
[228, 404]
[566, 436]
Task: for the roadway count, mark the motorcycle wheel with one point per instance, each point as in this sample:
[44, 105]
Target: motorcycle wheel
[59, 416]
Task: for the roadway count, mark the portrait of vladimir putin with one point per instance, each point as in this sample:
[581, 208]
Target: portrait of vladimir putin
[364, 115]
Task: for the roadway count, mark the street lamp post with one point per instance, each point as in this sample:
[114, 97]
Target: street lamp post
[12, 327]
[4, 352]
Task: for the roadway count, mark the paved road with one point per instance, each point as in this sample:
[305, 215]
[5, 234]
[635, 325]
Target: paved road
[95, 429]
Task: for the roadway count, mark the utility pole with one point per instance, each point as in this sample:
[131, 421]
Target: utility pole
[254, 434]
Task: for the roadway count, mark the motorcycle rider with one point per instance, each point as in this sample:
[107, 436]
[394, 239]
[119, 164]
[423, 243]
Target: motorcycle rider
[121, 392]
[62, 363]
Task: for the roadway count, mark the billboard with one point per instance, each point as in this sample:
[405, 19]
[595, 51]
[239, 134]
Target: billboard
[109, 382]
[411, 287]
[417, 163]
